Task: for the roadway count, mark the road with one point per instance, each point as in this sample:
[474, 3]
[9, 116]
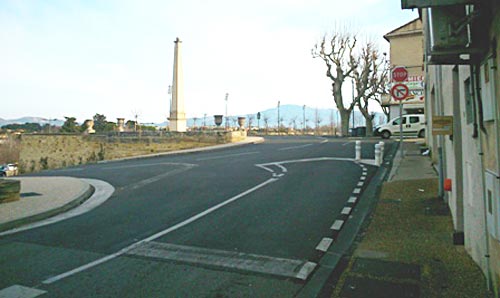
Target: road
[252, 221]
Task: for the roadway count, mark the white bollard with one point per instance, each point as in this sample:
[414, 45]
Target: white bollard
[358, 150]
[381, 150]
[377, 155]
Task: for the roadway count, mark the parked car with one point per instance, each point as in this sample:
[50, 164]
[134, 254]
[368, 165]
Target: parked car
[7, 170]
[413, 126]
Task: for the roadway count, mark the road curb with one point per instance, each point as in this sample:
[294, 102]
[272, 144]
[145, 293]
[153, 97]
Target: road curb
[82, 197]
[320, 283]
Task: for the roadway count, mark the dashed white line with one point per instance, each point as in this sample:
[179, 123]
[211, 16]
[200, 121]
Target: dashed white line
[324, 244]
[362, 178]
[352, 200]
[346, 211]
[295, 147]
[361, 183]
[227, 155]
[337, 225]
[356, 191]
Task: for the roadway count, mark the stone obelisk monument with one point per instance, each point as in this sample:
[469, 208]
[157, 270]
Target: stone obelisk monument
[177, 114]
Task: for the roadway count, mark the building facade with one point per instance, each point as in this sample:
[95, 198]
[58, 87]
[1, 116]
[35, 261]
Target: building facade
[407, 50]
[462, 85]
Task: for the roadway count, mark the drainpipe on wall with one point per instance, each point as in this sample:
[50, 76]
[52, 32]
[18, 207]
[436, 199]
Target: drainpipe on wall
[475, 72]
[440, 142]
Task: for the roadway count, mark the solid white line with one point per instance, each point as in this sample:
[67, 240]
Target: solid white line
[283, 169]
[295, 147]
[265, 168]
[324, 244]
[357, 191]
[346, 211]
[337, 225]
[352, 200]
[157, 235]
[148, 165]
[226, 156]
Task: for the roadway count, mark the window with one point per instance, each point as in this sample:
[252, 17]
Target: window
[493, 204]
[487, 92]
[414, 119]
[396, 122]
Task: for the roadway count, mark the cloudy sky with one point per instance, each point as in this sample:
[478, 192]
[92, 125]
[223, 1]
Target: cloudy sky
[115, 57]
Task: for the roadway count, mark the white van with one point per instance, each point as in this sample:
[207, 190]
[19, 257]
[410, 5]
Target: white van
[413, 126]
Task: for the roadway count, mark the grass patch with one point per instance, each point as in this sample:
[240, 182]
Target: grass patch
[410, 225]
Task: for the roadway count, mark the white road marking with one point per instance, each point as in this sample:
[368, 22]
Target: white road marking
[361, 183]
[103, 191]
[352, 200]
[346, 211]
[362, 178]
[306, 270]
[142, 183]
[145, 165]
[157, 235]
[227, 155]
[17, 291]
[337, 225]
[294, 147]
[324, 244]
[356, 191]
[346, 143]
[224, 259]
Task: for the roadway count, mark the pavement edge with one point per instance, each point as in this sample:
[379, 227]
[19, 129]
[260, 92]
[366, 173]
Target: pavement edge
[78, 200]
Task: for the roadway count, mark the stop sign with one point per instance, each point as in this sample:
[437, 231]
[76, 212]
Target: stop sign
[399, 74]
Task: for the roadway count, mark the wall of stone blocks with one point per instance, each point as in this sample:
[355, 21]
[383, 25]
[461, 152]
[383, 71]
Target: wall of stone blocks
[40, 152]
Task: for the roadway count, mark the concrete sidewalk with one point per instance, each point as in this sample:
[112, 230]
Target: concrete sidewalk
[44, 197]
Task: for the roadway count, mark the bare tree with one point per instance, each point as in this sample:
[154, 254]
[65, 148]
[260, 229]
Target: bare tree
[337, 52]
[317, 120]
[370, 78]
[266, 122]
[250, 118]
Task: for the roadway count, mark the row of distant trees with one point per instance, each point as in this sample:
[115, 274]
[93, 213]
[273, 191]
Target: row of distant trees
[101, 125]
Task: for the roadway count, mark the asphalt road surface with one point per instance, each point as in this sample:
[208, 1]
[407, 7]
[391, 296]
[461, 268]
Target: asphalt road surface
[253, 221]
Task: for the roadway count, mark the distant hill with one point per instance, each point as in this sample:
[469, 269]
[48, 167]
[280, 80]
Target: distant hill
[24, 120]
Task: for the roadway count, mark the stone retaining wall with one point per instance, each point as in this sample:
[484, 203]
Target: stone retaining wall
[41, 152]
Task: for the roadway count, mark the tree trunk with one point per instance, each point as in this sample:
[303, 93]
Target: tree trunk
[369, 127]
[344, 119]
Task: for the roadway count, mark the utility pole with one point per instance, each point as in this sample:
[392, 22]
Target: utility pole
[279, 120]
[304, 118]
[227, 122]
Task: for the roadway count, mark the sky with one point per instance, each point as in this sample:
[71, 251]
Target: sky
[115, 57]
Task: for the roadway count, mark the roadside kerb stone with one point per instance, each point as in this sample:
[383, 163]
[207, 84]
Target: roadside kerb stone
[50, 196]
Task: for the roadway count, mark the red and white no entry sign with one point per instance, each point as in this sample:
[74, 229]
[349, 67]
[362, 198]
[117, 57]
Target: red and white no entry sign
[399, 74]
[400, 91]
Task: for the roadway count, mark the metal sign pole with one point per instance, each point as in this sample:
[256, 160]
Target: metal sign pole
[401, 128]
